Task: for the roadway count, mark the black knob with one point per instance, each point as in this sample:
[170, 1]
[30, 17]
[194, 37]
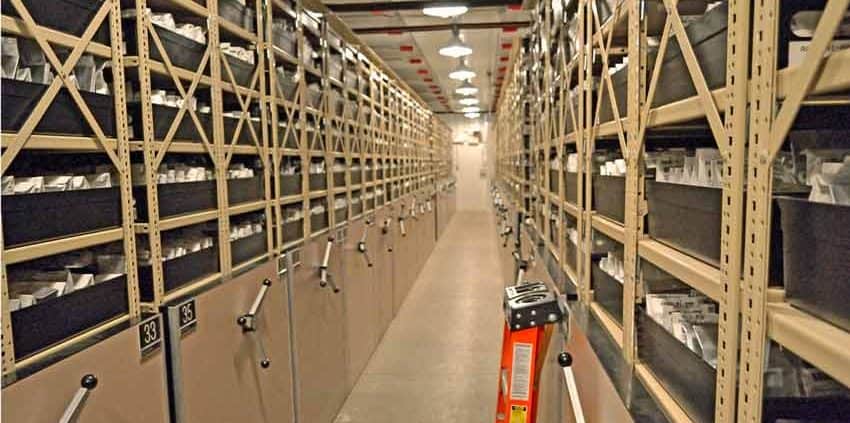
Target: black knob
[267, 282]
[336, 290]
[89, 382]
[565, 359]
[265, 363]
[370, 264]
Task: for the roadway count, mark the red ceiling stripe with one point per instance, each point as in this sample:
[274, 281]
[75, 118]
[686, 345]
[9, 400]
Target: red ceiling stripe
[509, 29]
[503, 59]
[406, 47]
[428, 79]
[515, 7]
[415, 60]
[507, 46]
[422, 71]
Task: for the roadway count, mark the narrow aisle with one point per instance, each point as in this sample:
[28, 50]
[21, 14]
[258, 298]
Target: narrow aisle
[439, 360]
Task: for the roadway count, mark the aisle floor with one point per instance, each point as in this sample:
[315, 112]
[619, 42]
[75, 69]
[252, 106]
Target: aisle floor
[439, 360]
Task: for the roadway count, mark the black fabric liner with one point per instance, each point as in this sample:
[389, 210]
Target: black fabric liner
[44, 324]
[293, 231]
[183, 52]
[68, 16]
[340, 215]
[571, 187]
[339, 179]
[609, 196]
[318, 181]
[63, 116]
[816, 250]
[318, 222]
[237, 13]
[243, 190]
[608, 292]
[37, 217]
[163, 117]
[244, 249]
[179, 271]
[684, 374]
[686, 217]
[290, 184]
[177, 198]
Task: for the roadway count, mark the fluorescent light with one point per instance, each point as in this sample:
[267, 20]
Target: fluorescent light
[468, 101]
[471, 109]
[466, 89]
[456, 47]
[462, 71]
[445, 11]
[472, 115]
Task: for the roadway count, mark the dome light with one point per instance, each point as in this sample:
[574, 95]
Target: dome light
[468, 101]
[446, 11]
[472, 115]
[456, 47]
[466, 89]
[462, 71]
[471, 109]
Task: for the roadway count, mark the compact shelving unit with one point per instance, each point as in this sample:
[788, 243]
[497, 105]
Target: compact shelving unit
[314, 94]
[564, 95]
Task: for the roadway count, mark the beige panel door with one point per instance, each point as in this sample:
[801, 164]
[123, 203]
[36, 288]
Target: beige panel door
[320, 346]
[361, 302]
[222, 379]
[402, 266]
[380, 244]
[130, 389]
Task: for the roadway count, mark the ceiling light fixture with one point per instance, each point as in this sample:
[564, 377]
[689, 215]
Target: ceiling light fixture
[468, 101]
[471, 109]
[445, 11]
[472, 115]
[466, 89]
[456, 47]
[462, 71]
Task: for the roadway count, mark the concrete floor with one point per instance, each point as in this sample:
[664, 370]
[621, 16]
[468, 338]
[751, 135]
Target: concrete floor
[439, 360]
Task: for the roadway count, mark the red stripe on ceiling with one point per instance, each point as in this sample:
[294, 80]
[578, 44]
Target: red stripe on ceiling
[507, 46]
[514, 7]
[406, 47]
[503, 59]
[502, 69]
[422, 71]
[377, 12]
[509, 29]
[415, 60]
[434, 87]
[428, 79]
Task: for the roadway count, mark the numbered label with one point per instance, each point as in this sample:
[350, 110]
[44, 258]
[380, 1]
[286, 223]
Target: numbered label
[150, 335]
[188, 315]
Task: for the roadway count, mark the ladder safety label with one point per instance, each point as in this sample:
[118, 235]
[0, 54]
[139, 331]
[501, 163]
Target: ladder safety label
[519, 414]
[521, 374]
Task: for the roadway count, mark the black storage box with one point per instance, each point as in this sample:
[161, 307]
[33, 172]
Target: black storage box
[318, 181]
[238, 13]
[290, 185]
[553, 181]
[243, 72]
[179, 271]
[183, 52]
[609, 196]
[816, 250]
[68, 16]
[36, 217]
[686, 217]
[163, 117]
[62, 115]
[684, 374]
[47, 323]
[245, 136]
[244, 249]
[356, 177]
[246, 189]
[285, 40]
[291, 137]
[179, 198]
[608, 292]
[293, 231]
[357, 208]
[314, 96]
[571, 187]
[340, 215]
[339, 179]
[318, 222]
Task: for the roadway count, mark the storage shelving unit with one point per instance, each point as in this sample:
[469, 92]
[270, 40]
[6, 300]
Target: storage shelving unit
[556, 101]
[362, 115]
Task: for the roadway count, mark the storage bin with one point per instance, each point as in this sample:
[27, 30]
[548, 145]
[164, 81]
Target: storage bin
[686, 217]
[245, 137]
[356, 177]
[553, 181]
[684, 374]
[287, 86]
[609, 196]
[318, 222]
[176, 199]
[291, 137]
[244, 249]
[68, 16]
[816, 250]
[314, 96]
[244, 190]
[243, 72]
[357, 208]
[340, 215]
[335, 67]
[318, 181]
[163, 117]
[607, 291]
[37, 217]
[290, 185]
[62, 115]
[179, 271]
[293, 231]
[238, 13]
[339, 179]
[285, 39]
[571, 189]
[47, 323]
[183, 52]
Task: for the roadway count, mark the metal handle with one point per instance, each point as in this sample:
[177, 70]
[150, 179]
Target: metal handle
[248, 324]
[401, 226]
[361, 246]
[566, 362]
[506, 233]
[324, 277]
[87, 384]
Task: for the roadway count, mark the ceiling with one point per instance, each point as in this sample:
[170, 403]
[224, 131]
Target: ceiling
[414, 57]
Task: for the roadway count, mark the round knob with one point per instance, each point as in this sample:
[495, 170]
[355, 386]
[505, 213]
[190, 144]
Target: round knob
[336, 290]
[370, 264]
[265, 363]
[565, 359]
[267, 282]
[89, 381]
